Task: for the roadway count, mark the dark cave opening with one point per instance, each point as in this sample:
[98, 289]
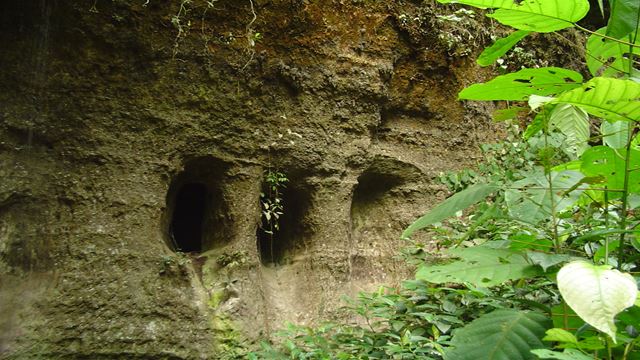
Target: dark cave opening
[279, 246]
[197, 217]
[187, 222]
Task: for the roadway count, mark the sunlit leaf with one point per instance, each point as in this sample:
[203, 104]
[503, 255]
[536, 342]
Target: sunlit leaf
[481, 266]
[607, 57]
[597, 293]
[573, 122]
[520, 85]
[615, 134]
[531, 199]
[610, 99]
[532, 15]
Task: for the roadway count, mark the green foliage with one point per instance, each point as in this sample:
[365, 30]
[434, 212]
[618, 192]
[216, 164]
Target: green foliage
[451, 206]
[520, 85]
[597, 293]
[532, 15]
[623, 21]
[608, 57]
[597, 186]
[573, 122]
[615, 134]
[500, 47]
[500, 335]
[610, 99]
[481, 266]
[532, 234]
[272, 205]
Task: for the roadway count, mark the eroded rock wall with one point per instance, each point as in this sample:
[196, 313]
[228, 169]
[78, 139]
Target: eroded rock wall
[107, 108]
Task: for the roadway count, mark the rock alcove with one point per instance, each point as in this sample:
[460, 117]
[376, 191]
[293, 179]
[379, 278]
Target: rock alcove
[279, 246]
[196, 216]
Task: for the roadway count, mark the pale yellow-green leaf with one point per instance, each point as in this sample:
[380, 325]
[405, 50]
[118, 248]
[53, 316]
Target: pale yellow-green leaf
[537, 101]
[597, 293]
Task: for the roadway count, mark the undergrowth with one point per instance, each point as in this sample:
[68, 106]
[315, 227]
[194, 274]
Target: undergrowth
[540, 248]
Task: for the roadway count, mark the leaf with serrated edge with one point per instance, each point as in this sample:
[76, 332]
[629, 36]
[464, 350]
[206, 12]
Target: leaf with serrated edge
[597, 293]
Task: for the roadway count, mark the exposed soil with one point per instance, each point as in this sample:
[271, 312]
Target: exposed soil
[108, 113]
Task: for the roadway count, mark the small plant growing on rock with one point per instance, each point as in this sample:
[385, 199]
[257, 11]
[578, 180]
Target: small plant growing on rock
[272, 205]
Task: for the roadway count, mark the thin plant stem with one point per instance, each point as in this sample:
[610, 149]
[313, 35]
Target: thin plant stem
[547, 171]
[627, 159]
[606, 225]
[605, 36]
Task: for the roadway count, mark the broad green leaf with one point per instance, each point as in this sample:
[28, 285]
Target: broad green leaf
[610, 99]
[529, 242]
[606, 57]
[597, 293]
[624, 18]
[574, 123]
[615, 134]
[531, 199]
[565, 318]
[567, 354]
[545, 260]
[505, 334]
[500, 47]
[600, 233]
[560, 335]
[538, 123]
[532, 15]
[451, 206]
[601, 253]
[481, 266]
[509, 113]
[520, 85]
[609, 165]
[571, 165]
[631, 316]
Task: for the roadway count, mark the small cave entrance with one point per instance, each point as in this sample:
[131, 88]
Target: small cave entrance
[188, 217]
[278, 245]
[196, 219]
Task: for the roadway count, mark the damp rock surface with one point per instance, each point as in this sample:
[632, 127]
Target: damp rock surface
[131, 130]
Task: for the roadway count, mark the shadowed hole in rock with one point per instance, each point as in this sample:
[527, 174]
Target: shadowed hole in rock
[197, 217]
[279, 246]
[188, 217]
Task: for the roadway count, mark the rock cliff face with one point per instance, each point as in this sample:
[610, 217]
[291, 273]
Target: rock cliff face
[130, 129]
